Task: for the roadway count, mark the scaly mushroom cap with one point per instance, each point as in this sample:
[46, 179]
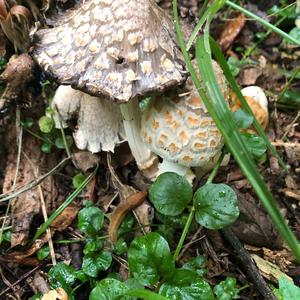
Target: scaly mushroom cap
[117, 48]
[179, 128]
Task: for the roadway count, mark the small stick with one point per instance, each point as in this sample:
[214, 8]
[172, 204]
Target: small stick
[120, 212]
[250, 267]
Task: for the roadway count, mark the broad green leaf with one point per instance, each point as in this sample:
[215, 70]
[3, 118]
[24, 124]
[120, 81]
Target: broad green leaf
[242, 119]
[43, 253]
[226, 290]
[127, 225]
[150, 259]
[92, 244]
[145, 295]
[295, 33]
[108, 289]
[170, 194]
[90, 220]
[288, 289]
[198, 264]
[46, 124]
[255, 144]
[62, 275]
[92, 265]
[216, 206]
[120, 246]
[199, 290]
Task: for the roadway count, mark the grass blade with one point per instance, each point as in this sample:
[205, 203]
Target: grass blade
[220, 112]
[221, 60]
[263, 22]
[67, 202]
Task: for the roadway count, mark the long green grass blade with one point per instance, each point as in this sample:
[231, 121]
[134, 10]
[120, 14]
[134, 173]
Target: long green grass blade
[66, 203]
[237, 146]
[222, 61]
[263, 22]
[220, 112]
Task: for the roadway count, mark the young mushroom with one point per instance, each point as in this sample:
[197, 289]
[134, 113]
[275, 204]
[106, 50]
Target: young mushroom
[120, 49]
[257, 101]
[180, 130]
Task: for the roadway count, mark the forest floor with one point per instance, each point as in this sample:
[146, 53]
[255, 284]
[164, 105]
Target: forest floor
[256, 57]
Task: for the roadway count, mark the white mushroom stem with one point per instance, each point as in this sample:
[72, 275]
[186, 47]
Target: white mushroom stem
[131, 112]
[168, 166]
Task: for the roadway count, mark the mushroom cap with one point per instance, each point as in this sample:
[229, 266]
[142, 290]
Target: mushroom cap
[117, 48]
[99, 124]
[179, 128]
[257, 101]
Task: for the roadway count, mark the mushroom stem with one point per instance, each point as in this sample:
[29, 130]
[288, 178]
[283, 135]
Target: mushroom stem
[168, 166]
[131, 112]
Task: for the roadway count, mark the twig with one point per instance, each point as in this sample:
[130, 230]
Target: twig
[19, 280]
[33, 183]
[249, 266]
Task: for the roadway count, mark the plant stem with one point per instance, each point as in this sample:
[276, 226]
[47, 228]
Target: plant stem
[192, 212]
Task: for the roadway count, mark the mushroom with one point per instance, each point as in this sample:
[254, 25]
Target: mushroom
[99, 124]
[258, 103]
[179, 129]
[122, 50]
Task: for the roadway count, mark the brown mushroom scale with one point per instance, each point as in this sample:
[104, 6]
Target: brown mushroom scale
[122, 49]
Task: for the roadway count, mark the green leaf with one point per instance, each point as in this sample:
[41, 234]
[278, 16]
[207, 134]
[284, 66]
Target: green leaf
[92, 265]
[242, 119]
[43, 253]
[255, 144]
[149, 259]
[216, 206]
[62, 275]
[90, 220]
[145, 295]
[170, 194]
[27, 123]
[295, 33]
[59, 142]
[127, 225]
[46, 124]
[108, 289]
[226, 290]
[199, 290]
[198, 264]
[183, 277]
[288, 289]
[77, 180]
[92, 244]
[121, 246]
[46, 148]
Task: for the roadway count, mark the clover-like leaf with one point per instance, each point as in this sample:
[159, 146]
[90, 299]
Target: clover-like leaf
[216, 206]
[255, 144]
[90, 220]
[199, 290]
[170, 194]
[108, 289]
[93, 264]
[150, 259]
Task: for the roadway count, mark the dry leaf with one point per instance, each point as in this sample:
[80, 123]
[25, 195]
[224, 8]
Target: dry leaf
[269, 270]
[254, 226]
[85, 160]
[231, 31]
[58, 294]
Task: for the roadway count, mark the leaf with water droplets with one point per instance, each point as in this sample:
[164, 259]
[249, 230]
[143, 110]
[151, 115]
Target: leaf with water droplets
[216, 206]
[150, 259]
[170, 194]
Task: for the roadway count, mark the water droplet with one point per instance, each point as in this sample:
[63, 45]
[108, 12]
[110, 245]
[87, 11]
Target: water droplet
[222, 194]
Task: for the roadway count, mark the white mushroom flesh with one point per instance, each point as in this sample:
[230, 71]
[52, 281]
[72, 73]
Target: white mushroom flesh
[99, 124]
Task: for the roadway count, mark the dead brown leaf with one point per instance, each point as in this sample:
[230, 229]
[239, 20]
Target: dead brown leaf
[254, 226]
[27, 205]
[57, 294]
[85, 160]
[231, 31]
